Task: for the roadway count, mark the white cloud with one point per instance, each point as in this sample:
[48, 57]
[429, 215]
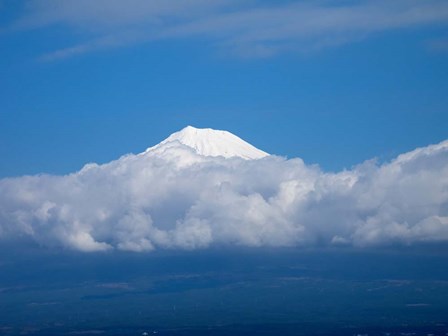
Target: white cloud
[245, 28]
[178, 199]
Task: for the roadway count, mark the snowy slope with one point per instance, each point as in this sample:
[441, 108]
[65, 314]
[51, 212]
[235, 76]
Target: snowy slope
[210, 142]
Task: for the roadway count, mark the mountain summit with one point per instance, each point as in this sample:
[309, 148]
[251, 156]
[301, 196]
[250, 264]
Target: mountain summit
[210, 142]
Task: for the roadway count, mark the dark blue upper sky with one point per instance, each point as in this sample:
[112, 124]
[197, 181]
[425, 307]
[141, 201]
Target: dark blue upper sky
[333, 83]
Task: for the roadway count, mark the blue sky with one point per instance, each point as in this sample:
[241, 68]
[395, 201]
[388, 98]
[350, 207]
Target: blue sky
[334, 83]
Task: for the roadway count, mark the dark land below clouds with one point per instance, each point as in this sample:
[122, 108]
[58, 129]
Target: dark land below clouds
[235, 291]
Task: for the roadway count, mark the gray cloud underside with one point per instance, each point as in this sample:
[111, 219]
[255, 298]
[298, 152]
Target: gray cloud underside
[245, 28]
[178, 199]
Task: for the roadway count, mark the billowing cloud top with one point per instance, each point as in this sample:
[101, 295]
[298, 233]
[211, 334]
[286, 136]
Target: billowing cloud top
[174, 196]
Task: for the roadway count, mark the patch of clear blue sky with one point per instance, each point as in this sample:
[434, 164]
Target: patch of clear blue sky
[335, 107]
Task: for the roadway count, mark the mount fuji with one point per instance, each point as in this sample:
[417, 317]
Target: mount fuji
[204, 187]
[209, 142]
[182, 149]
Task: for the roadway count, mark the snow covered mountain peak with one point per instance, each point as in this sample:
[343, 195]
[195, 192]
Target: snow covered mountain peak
[210, 142]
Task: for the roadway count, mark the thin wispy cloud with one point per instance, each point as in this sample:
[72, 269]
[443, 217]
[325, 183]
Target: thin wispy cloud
[438, 45]
[244, 28]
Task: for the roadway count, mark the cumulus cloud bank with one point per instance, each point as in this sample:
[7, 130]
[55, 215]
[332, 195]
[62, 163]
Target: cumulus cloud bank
[174, 198]
[246, 28]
